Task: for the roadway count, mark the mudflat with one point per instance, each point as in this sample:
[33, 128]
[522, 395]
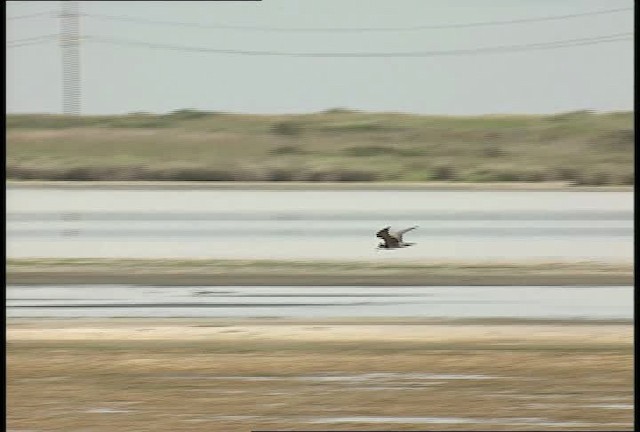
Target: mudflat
[205, 272]
[282, 374]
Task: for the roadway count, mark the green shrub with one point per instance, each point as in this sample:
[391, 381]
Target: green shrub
[370, 150]
[340, 175]
[287, 128]
[493, 151]
[377, 150]
[507, 176]
[137, 121]
[565, 174]
[532, 175]
[626, 179]
[593, 179]
[280, 174]
[352, 175]
[188, 114]
[571, 115]
[356, 126]
[339, 111]
[287, 150]
[621, 139]
[51, 121]
[443, 172]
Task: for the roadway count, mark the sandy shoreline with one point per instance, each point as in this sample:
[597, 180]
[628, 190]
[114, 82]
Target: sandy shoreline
[420, 331]
[238, 375]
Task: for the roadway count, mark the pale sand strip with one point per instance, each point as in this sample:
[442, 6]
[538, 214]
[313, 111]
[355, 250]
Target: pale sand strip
[154, 329]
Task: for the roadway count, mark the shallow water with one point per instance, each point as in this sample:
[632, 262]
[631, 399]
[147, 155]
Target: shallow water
[317, 224]
[317, 302]
[107, 411]
[368, 378]
[446, 420]
[611, 406]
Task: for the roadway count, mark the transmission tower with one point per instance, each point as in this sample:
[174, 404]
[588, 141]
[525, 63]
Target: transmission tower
[70, 44]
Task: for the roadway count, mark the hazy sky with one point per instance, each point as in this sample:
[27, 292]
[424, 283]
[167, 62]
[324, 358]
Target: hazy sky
[118, 79]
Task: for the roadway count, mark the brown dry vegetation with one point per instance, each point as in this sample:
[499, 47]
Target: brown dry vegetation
[194, 375]
[580, 148]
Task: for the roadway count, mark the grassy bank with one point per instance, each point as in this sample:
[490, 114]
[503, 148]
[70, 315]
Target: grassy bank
[580, 148]
[195, 375]
[318, 273]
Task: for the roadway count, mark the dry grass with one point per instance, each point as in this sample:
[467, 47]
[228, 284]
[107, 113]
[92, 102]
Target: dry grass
[164, 382]
[343, 146]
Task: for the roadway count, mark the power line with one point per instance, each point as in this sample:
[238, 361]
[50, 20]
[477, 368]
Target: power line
[28, 44]
[70, 44]
[126, 18]
[33, 15]
[30, 41]
[616, 37]
[49, 36]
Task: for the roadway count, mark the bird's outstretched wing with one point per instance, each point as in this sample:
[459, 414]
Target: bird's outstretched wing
[389, 240]
[398, 234]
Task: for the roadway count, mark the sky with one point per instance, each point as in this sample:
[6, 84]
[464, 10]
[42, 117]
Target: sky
[119, 77]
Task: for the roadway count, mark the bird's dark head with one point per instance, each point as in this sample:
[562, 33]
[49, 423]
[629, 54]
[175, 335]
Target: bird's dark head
[379, 234]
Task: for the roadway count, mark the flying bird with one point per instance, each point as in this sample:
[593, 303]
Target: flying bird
[393, 240]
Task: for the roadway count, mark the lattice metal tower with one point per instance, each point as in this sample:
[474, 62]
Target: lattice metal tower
[70, 44]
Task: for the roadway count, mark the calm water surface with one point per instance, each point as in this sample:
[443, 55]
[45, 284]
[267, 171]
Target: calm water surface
[315, 302]
[340, 225]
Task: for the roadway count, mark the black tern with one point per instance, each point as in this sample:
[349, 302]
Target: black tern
[393, 240]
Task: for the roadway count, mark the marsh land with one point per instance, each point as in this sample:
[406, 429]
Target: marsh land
[577, 148]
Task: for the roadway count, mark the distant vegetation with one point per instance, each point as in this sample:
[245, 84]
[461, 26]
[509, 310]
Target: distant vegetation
[581, 148]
